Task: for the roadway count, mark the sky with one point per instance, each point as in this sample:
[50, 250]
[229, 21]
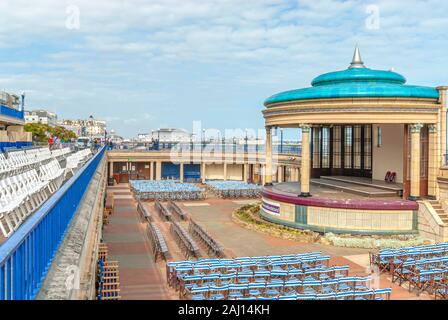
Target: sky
[144, 65]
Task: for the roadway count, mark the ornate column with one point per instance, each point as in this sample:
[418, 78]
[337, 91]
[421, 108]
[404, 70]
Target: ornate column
[415, 161]
[111, 169]
[151, 170]
[158, 170]
[268, 158]
[181, 172]
[432, 161]
[225, 171]
[203, 174]
[442, 125]
[245, 172]
[280, 174]
[305, 162]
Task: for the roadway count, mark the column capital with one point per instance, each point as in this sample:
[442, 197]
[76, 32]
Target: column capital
[416, 127]
[305, 127]
[432, 128]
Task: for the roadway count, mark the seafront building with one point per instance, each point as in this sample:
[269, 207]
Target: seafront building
[371, 164]
[41, 116]
[12, 120]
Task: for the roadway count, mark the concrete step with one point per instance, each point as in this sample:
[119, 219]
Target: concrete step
[368, 183]
[367, 191]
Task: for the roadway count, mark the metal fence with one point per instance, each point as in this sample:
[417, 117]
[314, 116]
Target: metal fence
[27, 255]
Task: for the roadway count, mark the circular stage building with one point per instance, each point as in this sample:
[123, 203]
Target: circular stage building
[372, 147]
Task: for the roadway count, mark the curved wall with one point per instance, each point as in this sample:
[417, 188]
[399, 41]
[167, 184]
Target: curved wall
[383, 217]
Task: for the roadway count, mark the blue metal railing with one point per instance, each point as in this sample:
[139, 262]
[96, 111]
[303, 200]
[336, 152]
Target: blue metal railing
[10, 112]
[207, 147]
[27, 255]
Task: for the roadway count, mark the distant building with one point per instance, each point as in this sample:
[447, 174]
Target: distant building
[87, 128]
[115, 138]
[166, 135]
[41, 116]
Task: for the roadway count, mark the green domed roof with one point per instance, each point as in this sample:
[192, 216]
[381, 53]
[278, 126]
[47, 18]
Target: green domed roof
[358, 75]
[356, 82]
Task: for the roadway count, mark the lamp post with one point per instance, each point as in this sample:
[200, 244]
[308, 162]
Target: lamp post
[245, 145]
[203, 140]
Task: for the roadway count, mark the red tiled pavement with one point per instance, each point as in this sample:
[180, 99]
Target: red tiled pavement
[140, 278]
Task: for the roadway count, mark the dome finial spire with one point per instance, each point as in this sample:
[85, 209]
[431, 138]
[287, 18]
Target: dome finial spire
[357, 61]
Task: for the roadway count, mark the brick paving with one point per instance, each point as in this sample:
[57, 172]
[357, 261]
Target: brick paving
[142, 278]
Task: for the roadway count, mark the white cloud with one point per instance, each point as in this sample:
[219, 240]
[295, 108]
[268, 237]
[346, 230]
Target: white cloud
[171, 61]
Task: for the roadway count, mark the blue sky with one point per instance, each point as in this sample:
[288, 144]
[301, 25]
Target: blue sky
[142, 65]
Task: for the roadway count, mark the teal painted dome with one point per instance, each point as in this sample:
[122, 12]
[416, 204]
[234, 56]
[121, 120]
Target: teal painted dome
[356, 82]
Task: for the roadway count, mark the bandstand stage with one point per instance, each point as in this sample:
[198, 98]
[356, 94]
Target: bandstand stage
[372, 147]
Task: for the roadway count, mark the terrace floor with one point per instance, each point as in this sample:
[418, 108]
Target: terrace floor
[143, 278]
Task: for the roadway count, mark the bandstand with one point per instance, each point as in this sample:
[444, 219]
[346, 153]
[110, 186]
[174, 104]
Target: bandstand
[372, 147]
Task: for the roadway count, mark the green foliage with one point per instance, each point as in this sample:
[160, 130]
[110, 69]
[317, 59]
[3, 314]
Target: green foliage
[41, 132]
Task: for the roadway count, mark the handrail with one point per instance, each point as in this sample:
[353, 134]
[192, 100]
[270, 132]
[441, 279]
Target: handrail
[27, 255]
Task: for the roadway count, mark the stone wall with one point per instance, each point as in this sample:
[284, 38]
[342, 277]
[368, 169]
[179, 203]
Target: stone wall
[429, 224]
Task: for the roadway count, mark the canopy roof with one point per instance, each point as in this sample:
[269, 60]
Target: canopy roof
[356, 82]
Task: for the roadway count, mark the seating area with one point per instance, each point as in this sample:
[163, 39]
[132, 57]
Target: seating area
[27, 179]
[76, 160]
[19, 160]
[165, 190]
[164, 213]
[305, 276]
[107, 275]
[185, 242]
[144, 212]
[205, 238]
[173, 207]
[422, 268]
[159, 247]
[234, 189]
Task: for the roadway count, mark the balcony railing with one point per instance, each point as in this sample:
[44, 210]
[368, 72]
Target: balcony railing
[11, 112]
[27, 255]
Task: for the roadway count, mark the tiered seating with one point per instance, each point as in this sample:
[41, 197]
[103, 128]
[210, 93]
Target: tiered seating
[27, 179]
[108, 280]
[423, 268]
[18, 161]
[234, 189]
[144, 212]
[53, 173]
[288, 277]
[76, 160]
[60, 153]
[165, 190]
[177, 210]
[202, 235]
[20, 195]
[184, 240]
[158, 242]
[162, 210]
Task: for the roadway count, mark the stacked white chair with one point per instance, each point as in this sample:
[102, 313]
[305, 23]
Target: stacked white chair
[76, 159]
[59, 153]
[20, 195]
[53, 174]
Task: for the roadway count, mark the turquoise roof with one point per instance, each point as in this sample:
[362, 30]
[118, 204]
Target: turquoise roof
[356, 83]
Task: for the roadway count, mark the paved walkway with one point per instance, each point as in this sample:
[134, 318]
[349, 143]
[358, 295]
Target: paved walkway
[142, 278]
[126, 238]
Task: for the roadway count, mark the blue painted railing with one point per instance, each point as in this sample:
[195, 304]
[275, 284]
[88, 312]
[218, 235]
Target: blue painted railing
[19, 144]
[10, 112]
[27, 255]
